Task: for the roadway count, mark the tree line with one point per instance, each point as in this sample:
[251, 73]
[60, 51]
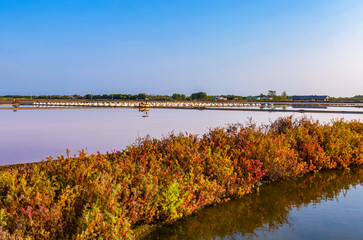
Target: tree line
[202, 96]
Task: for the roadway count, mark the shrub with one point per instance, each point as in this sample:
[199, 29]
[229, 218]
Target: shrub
[107, 196]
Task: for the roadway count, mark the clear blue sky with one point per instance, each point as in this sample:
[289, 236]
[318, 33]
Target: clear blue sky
[220, 47]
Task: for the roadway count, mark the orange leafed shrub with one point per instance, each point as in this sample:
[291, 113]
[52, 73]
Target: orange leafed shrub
[107, 195]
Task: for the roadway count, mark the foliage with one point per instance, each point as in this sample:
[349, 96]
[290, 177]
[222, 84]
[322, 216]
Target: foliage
[107, 196]
[268, 210]
[177, 96]
[272, 93]
[356, 98]
[199, 96]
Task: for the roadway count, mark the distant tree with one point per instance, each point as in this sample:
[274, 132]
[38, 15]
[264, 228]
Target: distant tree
[76, 96]
[125, 96]
[133, 97]
[199, 96]
[272, 93]
[284, 96]
[178, 96]
[142, 96]
[116, 96]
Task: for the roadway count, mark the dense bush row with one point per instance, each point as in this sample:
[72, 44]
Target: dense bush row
[106, 196]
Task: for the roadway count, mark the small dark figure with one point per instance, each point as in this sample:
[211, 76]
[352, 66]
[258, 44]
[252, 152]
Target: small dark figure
[15, 103]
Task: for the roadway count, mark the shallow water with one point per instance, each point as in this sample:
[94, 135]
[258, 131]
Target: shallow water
[320, 206]
[32, 135]
[325, 205]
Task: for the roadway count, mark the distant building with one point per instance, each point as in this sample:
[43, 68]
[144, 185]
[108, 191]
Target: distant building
[311, 98]
[219, 98]
[259, 97]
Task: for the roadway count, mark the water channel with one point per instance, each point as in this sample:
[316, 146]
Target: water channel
[318, 206]
[33, 135]
[326, 205]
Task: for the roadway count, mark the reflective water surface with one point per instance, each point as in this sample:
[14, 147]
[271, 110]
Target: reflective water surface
[321, 206]
[325, 205]
[32, 135]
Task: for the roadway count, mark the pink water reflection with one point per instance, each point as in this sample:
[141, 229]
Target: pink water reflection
[32, 135]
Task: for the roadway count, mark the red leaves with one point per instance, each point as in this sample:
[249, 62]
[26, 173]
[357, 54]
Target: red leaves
[160, 180]
[28, 212]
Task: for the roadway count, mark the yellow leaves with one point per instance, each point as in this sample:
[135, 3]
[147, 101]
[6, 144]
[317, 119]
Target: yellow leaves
[102, 196]
[3, 218]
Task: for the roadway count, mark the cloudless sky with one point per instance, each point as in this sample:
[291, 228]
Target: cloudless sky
[164, 47]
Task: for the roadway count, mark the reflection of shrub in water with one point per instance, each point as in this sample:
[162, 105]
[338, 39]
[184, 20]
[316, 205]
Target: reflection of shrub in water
[265, 210]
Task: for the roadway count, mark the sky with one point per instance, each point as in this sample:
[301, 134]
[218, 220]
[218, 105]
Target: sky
[165, 47]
